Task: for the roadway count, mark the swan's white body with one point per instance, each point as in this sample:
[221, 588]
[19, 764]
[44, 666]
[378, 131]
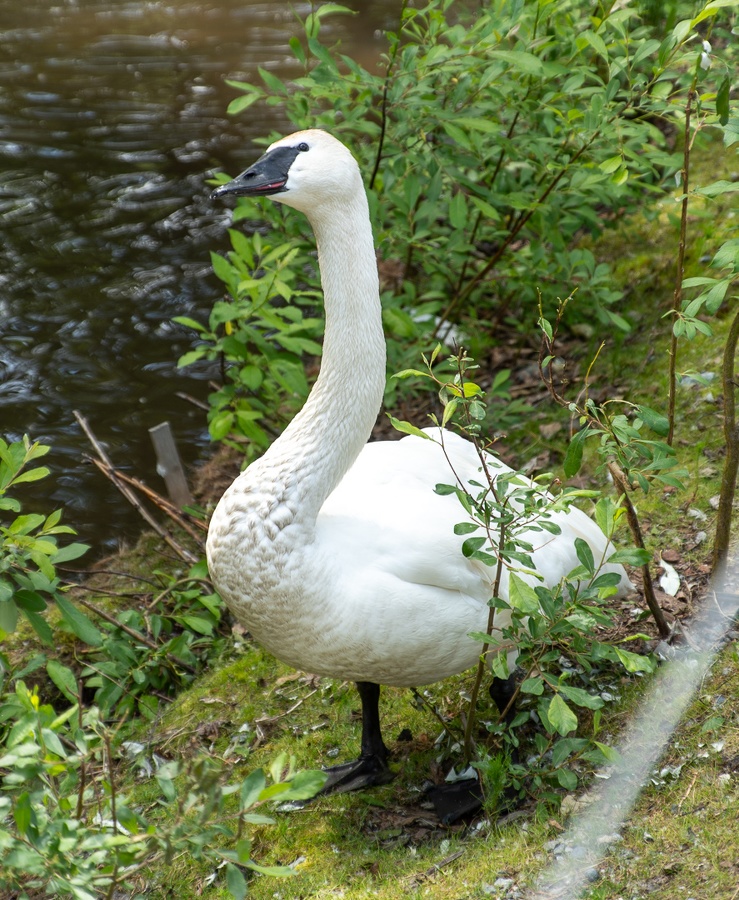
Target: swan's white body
[337, 555]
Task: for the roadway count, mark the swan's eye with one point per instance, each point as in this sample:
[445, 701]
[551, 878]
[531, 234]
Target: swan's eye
[303, 147]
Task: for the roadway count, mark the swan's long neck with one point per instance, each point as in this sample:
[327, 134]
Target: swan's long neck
[318, 447]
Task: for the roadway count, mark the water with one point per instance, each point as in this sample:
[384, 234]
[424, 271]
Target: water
[112, 117]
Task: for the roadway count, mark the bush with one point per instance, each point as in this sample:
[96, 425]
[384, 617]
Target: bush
[492, 140]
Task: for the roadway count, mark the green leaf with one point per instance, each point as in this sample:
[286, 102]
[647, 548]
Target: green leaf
[8, 616]
[581, 697]
[596, 42]
[40, 626]
[251, 787]
[533, 686]
[235, 882]
[274, 83]
[31, 475]
[610, 753]
[473, 544]
[304, 785]
[407, 428]
[64, 678]
[652, 419]
[239, 104]
[465, 527]
[585, 555]
[573, 457]
[297, 49]
[519, 59]
[567, 779]
[79, 623]
[51, 739]
[22, 812]
[633, 662]
[274, 871]
[521, 595]
[566, 747]
[630, 556]
[70, 552]
[718, 187]
[722, 100]
[561, 717]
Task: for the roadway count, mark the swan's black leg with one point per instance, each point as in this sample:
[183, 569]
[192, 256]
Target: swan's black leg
[502, 691]
[371, 768]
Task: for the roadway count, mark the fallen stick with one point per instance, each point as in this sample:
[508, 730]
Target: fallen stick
[107, 468]
[163, 503]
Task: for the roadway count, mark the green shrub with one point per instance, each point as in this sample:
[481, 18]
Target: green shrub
[492, 139]
[67, 830]
[29, 552]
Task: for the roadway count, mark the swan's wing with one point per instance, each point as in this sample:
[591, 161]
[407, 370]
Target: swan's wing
[386, 514]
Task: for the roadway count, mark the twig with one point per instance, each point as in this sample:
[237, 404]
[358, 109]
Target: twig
[136, 635]
[619, 480]
[688, 792]
[731, 461]
[437, 867]
[617, 473]
[434, 712]
[267, 720]
[678, 290]
[188, 398]
[107, 468]
[164, 504]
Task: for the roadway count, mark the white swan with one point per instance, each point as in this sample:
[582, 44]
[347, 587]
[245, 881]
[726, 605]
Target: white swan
[337, 555]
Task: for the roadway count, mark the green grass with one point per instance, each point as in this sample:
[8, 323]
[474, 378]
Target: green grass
[681, 837]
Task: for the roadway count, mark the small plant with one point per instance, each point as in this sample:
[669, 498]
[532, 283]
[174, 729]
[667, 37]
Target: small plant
[145, 655]
[633, 458]
[67, 831]
[259, 335]
[29, 552]
[554, 631]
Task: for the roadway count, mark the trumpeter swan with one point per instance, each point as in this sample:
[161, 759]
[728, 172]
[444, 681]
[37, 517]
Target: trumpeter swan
[337, 555]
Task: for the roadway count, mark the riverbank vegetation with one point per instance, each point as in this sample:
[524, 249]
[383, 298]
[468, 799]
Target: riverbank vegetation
[552, 187]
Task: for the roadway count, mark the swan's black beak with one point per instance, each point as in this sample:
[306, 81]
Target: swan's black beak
[267, 176]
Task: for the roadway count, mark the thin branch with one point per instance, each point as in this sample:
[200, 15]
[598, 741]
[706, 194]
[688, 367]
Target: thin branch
[136, 635]
[619, 479]
[106, 467]
[731, 437]
[617, 473]
[677, 293]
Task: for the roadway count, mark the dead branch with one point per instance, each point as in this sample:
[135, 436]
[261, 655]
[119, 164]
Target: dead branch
[106, 467]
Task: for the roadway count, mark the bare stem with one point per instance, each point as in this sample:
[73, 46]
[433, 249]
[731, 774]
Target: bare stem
[677, 293]
[619, 479]
[731, 461]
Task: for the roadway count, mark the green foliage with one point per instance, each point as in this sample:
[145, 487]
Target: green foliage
[627, 434]
[132, 659]
[153, 652]
[555, 631]
[67, 834]
[29, 552]
[712, 291]
[491, 139]
[261, 334]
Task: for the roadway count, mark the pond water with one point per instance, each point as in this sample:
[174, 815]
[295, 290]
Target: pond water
[112, 118]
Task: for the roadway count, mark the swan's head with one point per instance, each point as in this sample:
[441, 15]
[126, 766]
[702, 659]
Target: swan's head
[304, 170]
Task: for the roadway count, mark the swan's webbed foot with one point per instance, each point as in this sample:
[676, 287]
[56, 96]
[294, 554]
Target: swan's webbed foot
[455, 800]
[365, 772]
[371, 769]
